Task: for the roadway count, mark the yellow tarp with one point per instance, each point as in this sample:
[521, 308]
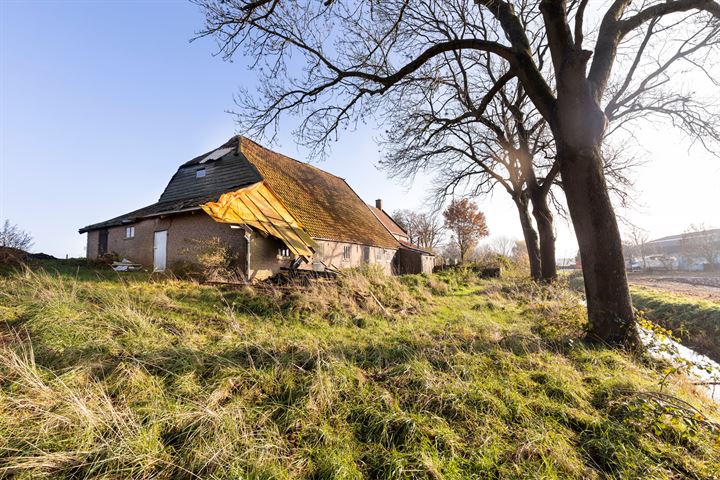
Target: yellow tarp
[258, 207]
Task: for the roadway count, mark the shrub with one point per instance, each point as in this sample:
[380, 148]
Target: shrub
[12, 257]
[210, 259]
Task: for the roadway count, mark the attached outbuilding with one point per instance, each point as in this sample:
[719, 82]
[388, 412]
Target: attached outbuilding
[410, 258]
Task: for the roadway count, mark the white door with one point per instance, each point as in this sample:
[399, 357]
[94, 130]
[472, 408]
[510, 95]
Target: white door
[160, 251]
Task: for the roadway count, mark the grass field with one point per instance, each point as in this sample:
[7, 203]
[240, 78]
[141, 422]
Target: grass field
[110, 376]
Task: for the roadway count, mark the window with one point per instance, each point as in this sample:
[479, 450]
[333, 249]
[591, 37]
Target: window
[129, 232]
[200, 173]
[366, 254]
[284, 252]
[346, 252]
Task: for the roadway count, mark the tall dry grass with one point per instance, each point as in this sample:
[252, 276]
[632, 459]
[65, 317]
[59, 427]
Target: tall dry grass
[442, 377]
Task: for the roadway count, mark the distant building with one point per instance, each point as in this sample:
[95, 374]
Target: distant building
[686, 251]
[567, 263]
[272, 211]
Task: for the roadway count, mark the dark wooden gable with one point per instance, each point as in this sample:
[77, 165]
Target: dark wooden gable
[227, 173]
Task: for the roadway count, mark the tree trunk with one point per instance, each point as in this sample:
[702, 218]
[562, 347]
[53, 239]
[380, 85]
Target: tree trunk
[579, 130]
[610, 313]
[544, 220]
[531, 238]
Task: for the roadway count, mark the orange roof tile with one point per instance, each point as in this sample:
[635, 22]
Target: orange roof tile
[325, 204]
[388, 221]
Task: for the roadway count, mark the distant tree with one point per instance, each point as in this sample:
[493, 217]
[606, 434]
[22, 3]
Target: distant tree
[503, 245]
[423, 228]
[698, 242]
[520, 253]
[405, 218]
[668, 262]
[13, 237]
[449, 250]
[466, 223]
[635, 244]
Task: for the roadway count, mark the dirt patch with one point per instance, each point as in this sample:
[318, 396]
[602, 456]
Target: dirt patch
[704, 285]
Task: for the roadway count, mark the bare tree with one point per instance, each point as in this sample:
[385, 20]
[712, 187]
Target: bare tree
[406, 219]
[429, 231]
[702, 242]
[668, 262]
[502, 245]
[450, 251]
[519, 253]
[349, 57]
[637, 239]
[466, 223]
[478, 133]
[12, 236]
[424, 229]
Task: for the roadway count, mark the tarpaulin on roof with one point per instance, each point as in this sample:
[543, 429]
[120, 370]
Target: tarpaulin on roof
[258, 207]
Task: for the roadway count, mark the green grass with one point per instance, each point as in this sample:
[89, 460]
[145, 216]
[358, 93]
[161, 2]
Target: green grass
[129, 376]
[695, 321]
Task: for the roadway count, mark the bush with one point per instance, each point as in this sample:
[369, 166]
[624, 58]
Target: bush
[209, 259]
[12, 257]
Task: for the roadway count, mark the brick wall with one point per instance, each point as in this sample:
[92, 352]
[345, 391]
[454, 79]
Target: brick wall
[181, 228]
[93, 237]
[264, 259]
[331, 253]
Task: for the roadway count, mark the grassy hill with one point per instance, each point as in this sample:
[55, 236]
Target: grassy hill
[444, 377]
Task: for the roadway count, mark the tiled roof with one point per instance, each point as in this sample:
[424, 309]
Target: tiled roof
[159, 208]
[412, 246]
[325, 204]
[225, 173]
[387, 220]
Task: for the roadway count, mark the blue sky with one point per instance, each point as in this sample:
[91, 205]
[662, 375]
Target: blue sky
[101, 101]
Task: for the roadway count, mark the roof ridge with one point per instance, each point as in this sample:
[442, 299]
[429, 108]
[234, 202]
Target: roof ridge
[680, 236]
[244, 138]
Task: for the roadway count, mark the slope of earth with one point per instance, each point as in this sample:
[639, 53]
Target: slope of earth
[693, 319]
[109, 376]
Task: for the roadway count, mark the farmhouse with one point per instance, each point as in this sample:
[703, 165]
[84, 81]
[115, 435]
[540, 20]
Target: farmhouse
[271, 212]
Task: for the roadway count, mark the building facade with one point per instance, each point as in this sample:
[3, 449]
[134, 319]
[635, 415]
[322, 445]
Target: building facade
[171, 233]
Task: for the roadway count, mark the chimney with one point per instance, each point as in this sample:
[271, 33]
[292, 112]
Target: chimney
[378, 204]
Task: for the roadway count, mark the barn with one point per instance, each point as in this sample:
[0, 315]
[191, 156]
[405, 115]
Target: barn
[271, 211]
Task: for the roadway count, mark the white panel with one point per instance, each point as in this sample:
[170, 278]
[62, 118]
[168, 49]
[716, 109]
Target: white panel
[220, 152]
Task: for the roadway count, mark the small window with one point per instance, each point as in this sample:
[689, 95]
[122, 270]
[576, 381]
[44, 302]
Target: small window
[200, 173]
[129, 232]
[346, 252]
[284, 253]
